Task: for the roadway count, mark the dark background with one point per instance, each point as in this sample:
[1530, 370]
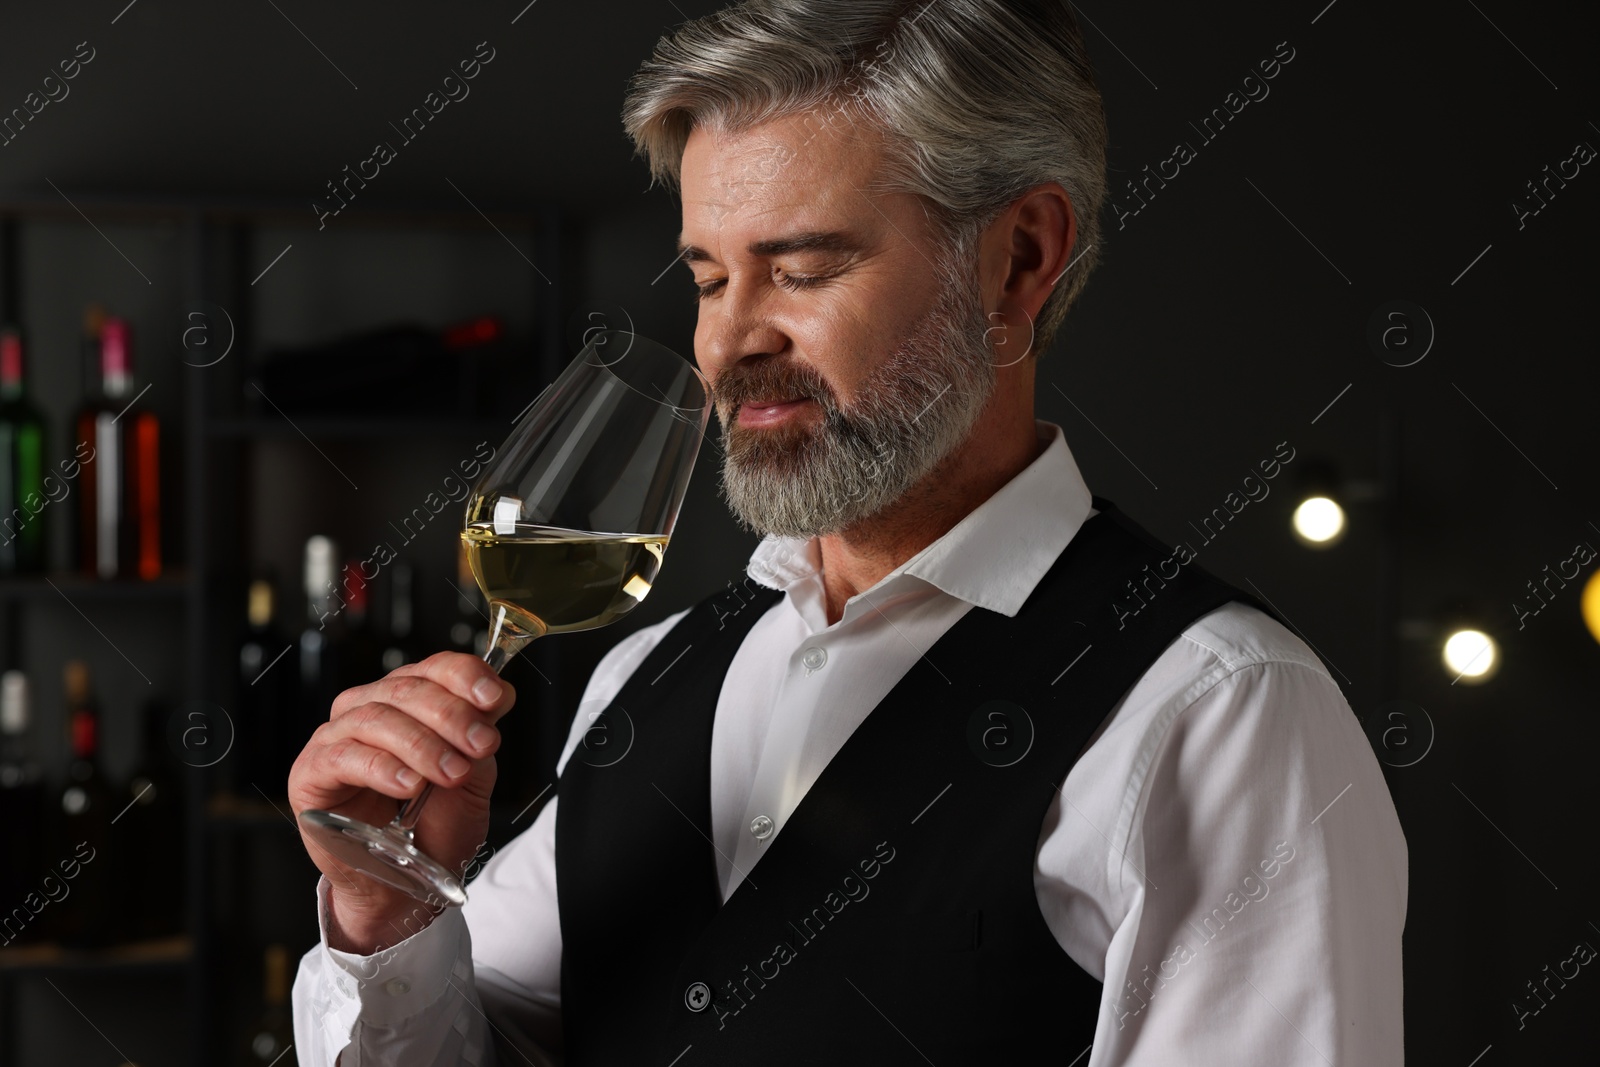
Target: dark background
[1229, 315]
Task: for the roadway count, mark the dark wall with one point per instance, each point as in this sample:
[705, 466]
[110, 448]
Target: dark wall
[1232, 311]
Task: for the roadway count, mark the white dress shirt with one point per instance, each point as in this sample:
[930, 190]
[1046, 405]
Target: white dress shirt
[1227, 859]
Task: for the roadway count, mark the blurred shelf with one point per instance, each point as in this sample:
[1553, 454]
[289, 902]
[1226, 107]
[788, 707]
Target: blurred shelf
[371, 429]
[166, 954]
[173, 584]
[231, 811]
[126, 207]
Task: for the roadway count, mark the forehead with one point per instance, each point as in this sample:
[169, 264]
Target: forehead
[797, 171]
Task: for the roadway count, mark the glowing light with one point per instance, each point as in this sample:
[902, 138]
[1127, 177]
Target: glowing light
[1471, 655]
[1590, 605]
[1319, 521]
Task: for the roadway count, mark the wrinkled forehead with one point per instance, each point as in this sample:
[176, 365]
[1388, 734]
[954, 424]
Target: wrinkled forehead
[805, 168]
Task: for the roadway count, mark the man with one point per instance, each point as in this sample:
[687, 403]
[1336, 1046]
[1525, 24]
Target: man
[970, 769]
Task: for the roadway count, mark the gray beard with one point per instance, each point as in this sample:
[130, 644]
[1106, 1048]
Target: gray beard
[910, 414]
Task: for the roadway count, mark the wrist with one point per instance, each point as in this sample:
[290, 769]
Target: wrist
[365, 923]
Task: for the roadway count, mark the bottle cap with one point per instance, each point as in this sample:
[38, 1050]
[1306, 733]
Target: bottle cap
[13, 702]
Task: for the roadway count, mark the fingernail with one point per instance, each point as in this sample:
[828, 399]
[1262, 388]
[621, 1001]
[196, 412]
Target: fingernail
[479, 736]
[486, 692]
[407, 777]
[454, 765]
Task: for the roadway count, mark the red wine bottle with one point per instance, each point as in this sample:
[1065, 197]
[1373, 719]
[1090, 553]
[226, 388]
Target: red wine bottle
[322, 640]
[150, 834]
[266, 671]
[84, 813]
[21, 811]
[22, 499]
[119, 512]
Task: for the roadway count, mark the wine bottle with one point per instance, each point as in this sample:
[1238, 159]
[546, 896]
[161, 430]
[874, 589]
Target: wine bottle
[264, 698]
[85, 815]
[362, 656]
[321, 640]
[22, 499]
[150, 827]
[94, 320]
[119, 513]
[270, 1039]
[21, 811]
[398, 648]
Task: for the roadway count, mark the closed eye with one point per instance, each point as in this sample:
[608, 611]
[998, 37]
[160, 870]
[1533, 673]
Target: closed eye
[791, 282]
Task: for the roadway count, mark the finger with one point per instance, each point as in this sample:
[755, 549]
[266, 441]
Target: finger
[347, 763]
[468, 677]
[458, 721]
[403, 735]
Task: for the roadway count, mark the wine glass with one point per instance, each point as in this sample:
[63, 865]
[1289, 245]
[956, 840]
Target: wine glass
[564, 530]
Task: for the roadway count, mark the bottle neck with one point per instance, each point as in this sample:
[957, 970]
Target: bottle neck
[85, 735]
[259, 610]
[116, 377]
[275, 987]
[10, 365]
[400, 613]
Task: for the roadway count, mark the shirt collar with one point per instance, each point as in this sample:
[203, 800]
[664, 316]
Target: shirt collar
[993, 558]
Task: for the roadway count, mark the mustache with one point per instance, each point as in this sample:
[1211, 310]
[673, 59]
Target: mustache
[769, 379]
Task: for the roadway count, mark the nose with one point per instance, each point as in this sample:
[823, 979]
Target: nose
[733, 326]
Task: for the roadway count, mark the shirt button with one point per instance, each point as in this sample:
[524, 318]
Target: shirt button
[697, 996]
[814, 658]
[761, 826]
[345, 988]
[397, 987]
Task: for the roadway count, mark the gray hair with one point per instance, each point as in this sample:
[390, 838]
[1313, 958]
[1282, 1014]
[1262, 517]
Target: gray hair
[979, 100]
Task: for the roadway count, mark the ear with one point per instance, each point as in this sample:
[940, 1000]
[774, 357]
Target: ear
[1026, 250]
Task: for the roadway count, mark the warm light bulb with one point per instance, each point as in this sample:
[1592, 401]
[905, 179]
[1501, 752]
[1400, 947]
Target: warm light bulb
[1471, 655]
[1590, 605]
[1319, 521]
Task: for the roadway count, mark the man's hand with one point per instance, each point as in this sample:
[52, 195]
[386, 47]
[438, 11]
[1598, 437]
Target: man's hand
[428, 721]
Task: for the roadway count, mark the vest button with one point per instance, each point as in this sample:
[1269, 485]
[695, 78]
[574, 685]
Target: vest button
[697, 996]
[761, 826]
[814, 658]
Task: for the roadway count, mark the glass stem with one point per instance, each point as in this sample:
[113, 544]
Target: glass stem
[506, 639]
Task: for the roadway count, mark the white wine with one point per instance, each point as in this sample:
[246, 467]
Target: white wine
[552, 580]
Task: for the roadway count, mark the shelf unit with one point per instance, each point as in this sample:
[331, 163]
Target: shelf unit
[223, 460]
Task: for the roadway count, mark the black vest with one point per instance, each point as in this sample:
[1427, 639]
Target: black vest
[893, 919]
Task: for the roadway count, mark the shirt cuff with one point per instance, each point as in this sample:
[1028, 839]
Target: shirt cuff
[396, 983]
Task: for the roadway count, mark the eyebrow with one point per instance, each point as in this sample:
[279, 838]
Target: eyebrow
[806, 241]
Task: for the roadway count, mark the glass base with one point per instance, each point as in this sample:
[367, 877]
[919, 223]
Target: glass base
[386, 855]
